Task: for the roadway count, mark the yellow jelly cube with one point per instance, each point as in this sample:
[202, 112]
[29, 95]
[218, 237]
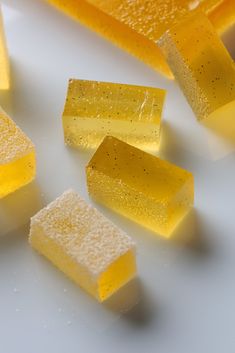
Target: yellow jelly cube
[203, 68]
[140, 186]
[4, 61]
[83, 244]
[17, 157]
[134, 25]
[96, 109]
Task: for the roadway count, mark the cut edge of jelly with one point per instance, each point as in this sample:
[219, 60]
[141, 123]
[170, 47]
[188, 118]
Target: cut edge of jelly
[118, 273]
[184, 206]
[222, 121]
[28, 162]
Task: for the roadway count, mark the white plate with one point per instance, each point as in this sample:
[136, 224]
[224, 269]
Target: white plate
[186, 288]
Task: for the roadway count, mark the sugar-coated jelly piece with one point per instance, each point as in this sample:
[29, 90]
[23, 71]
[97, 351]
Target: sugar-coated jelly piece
[17, 156]
[140, 186]
[84, 245]
[134, 25]
[203, 68]
[96, 109]
[4, 60]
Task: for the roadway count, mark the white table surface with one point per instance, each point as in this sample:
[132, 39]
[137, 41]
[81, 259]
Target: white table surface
[186, 288]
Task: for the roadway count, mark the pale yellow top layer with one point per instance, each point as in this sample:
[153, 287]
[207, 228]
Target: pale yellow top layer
[14, 144]
[82, 232]
[141, 171]
[114, 101]
[151, 18]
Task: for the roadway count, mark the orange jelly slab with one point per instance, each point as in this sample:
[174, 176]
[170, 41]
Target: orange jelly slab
[135, 25]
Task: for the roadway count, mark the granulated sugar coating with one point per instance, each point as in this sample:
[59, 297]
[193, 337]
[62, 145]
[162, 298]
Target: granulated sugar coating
[83, 244]
[152, 18]
[17, 156]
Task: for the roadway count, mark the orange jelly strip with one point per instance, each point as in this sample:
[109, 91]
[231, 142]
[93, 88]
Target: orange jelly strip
[136, 25]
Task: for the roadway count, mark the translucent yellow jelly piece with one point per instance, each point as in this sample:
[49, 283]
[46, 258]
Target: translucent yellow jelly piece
[134, 25]
[84, 245]
[203, 68]
[4, 60]
[17, 157]
[96, 109]
[140, 186]
[223, 16]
